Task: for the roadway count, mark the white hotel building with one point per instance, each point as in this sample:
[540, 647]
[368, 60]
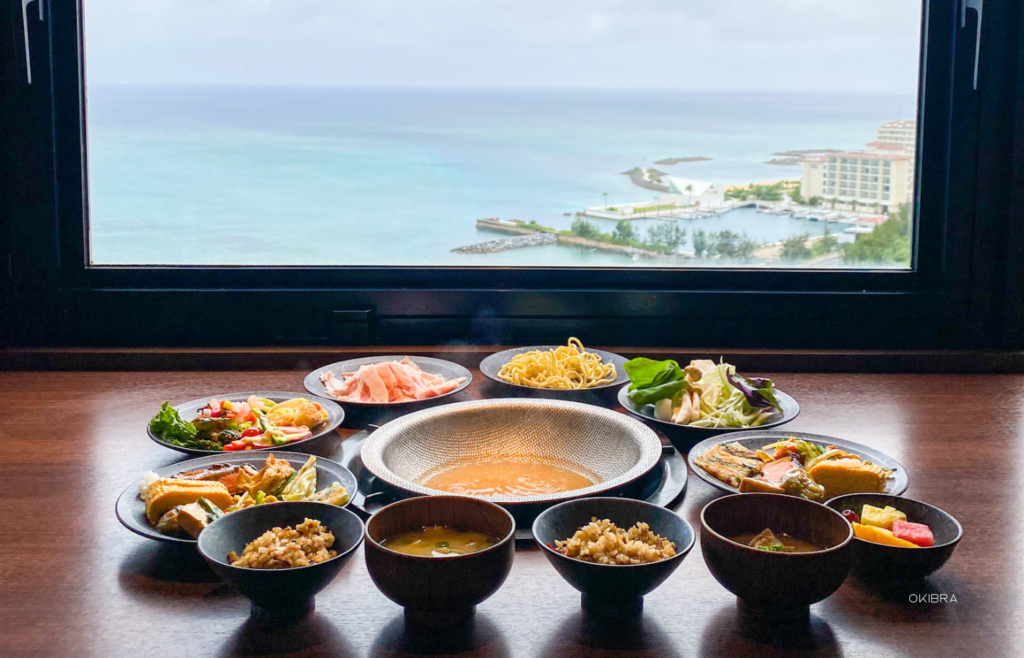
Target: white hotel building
[881, 176]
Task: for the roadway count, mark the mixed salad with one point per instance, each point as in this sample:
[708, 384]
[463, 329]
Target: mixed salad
[239, 425]
[703, 394]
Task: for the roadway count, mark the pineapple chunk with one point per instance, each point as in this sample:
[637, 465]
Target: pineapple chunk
[881, 518]
[879, 536]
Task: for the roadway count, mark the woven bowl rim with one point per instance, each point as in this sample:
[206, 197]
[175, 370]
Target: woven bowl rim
[646, 441]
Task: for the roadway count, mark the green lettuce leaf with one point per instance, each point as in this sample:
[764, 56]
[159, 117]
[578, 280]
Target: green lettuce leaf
[646, 373]
[169, 425]
[653, 394]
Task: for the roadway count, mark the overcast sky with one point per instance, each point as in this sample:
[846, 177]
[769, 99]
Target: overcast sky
[800, 45]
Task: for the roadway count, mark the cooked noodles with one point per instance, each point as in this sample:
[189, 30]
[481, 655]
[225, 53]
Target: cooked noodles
[567, 367]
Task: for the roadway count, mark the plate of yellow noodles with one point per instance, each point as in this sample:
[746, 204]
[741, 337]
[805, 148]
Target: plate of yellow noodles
[565, 371]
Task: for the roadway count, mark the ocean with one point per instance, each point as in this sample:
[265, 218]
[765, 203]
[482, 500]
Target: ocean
[364, 176]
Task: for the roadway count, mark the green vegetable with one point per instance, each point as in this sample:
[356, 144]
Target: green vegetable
[208, 507]
[169, 426]
[258, 498]
[286, 483]
[304, 484]
[774, 548]
[653, 394]
[646, 373]
[441, 544]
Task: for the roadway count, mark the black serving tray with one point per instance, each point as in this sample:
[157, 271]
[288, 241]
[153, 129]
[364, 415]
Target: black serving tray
[664, 485]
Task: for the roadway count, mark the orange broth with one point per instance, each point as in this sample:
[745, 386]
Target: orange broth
[507, 478]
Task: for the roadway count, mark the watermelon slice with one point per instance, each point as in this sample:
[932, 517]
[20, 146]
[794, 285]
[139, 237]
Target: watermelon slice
[915, 533]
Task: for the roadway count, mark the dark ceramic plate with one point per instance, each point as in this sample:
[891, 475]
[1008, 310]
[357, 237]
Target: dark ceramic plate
[131, 511]
[756, 439]
[492, 365]
[427, 364]
[188, 411]
[684, 437]
[878, 561]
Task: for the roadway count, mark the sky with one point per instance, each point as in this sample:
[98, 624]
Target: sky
[857, 46]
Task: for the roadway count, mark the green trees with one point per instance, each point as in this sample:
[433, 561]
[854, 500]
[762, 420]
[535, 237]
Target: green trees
[605, 195]
[669, 235]
[760, 192]
[585, 229]
[796, 196]
[724, 244]
[889, 243]
[700, 243]
[795, 248]
[814, 201]
[826, 245]
[624, 232]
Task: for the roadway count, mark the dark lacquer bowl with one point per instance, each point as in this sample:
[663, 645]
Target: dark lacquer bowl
[440, 590]
[611, 589]
[684, 437]
[894, 563]
[279, 594]
[781, 585]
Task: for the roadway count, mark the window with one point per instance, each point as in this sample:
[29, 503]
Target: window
[250, 134]
[232, 154]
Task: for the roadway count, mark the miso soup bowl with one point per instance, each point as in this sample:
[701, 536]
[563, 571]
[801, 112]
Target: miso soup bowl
[873, 561]
[440, 590]
[779, 585]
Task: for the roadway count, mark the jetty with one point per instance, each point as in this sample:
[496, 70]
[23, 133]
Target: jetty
[505, 244]
[519, 228]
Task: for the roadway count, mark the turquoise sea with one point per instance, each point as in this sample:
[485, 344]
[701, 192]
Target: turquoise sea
[361, 176]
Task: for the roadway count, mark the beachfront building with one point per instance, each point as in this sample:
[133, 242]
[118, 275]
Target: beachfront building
[879, 177]
[902, 132]
[689, 192]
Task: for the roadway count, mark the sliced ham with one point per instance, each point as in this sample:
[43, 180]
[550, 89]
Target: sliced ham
[387, 382]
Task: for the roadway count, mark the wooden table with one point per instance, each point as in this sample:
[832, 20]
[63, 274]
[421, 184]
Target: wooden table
[76, 583]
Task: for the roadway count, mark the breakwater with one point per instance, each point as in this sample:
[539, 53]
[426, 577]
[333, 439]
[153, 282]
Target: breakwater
[505, 244]
[568, 239]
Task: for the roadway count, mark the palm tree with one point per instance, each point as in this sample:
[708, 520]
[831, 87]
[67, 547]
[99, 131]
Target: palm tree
[605, 195]
[832, 201]
[689, 194]
[854, 204]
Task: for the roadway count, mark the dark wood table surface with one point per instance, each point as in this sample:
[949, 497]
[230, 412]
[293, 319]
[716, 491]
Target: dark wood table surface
[76, 583]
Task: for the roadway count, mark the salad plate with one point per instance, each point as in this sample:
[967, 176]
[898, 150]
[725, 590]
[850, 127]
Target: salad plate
[188, 411]
[131, 510]
[756, 439]
[492, 365]
[684, 437]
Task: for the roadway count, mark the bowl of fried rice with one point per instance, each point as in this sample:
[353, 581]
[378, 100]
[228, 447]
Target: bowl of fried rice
[613, 550]
[279, 556]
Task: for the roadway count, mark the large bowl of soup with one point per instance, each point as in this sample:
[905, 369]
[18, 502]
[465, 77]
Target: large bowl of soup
[517, 453]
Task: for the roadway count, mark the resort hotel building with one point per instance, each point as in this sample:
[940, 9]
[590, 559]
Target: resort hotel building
[879, 177]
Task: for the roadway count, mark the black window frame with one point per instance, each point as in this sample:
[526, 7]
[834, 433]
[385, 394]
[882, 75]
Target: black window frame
[961, 291]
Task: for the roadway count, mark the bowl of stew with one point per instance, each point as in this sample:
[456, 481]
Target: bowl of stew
[778, 554]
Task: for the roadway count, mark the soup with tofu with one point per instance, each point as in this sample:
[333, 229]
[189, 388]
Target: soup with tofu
[766, 540]
[439, 541]
[507, 478]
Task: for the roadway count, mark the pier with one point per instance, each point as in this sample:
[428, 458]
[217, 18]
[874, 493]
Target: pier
[517, 228]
